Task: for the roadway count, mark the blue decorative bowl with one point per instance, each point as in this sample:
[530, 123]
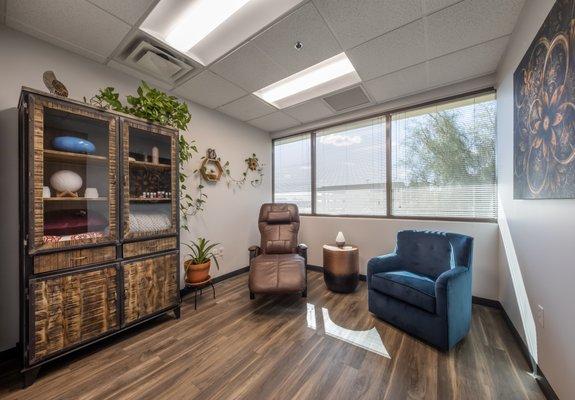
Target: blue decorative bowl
[73, 144]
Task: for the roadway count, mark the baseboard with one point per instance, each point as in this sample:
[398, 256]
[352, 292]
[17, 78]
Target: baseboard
[184, 291]
[317, 268]
[9, 354]
[482, 301]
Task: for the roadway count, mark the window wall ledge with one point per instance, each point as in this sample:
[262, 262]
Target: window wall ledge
[404, 218]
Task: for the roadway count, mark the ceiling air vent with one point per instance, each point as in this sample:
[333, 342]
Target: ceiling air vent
[347, 99]
[157, 62]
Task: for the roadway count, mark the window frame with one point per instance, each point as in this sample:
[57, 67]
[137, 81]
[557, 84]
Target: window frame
[388, 153]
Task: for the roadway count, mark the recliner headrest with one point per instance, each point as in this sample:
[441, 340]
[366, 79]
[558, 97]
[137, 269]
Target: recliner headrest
[279, 217]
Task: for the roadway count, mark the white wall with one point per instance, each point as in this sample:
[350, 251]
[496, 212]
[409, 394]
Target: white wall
[541, 231]
[230, 216]
[376, 236]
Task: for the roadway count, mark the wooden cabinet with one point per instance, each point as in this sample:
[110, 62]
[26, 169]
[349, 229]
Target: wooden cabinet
[70, 309]
[150, 285]
[99, 211]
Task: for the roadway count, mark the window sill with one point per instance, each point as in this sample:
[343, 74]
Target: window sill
[409, 218]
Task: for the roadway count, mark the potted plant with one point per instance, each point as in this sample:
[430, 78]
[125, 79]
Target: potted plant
[197, 267]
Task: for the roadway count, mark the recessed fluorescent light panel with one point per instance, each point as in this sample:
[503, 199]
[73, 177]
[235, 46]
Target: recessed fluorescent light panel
[325, 77]
[205, 30]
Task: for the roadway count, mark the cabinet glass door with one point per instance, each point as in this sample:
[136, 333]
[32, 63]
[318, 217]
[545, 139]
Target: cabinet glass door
[73, 175]
[150, 171]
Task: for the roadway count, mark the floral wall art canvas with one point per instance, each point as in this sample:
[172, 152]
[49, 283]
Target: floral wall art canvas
[544, 112]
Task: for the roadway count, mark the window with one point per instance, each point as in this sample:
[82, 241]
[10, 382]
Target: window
[292, 171]
[443, 160]
[432, 162]
[350, 169]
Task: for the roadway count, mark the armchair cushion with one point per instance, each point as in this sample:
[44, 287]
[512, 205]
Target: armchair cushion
[425, 252]
[415, 289]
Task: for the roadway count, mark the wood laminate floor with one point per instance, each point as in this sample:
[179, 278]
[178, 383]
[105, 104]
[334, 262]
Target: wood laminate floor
[327, 346]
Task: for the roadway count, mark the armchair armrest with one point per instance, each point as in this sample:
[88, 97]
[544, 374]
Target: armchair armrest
[453, 292]
[254, 252]
[385, 263]
[302, 251]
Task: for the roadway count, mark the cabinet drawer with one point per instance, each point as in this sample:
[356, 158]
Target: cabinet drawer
[150, 285]
[149, 246]
[71, 309]
[73, 258]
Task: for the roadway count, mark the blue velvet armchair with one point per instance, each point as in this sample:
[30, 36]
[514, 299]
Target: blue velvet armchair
[424, 287]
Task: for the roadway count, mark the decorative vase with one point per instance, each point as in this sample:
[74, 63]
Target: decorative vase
[155, 155]
[197, 273]
[66, 182]
[340, 239]
[73, 144]
[91, 193]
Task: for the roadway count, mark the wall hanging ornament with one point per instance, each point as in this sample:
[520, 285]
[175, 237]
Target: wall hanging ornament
[544, 110]
[211, 170]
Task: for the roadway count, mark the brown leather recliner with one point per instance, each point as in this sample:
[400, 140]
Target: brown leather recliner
[279, 264]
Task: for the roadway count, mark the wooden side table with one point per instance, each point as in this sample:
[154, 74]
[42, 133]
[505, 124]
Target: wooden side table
[341, 268]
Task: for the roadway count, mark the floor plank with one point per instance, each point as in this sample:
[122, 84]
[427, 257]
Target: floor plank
[285, 347]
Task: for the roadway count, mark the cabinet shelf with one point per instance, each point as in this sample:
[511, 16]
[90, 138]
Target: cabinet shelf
[145, 164]
[75, 158]
[146, 200]
[55, 199]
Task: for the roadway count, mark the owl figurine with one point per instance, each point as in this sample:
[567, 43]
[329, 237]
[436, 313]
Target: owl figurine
[54, 85]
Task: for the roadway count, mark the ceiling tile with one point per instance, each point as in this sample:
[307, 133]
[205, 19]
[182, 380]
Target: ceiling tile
[312, 110]
[127, 10]
[304, 25]
[466, 64]
[356, 21]
[76, 25]
[390, 52]
[469, 23]
[431, 6]
[276, 121]
[249, 68]
[209, 90]
[248, 107]
[398, 84]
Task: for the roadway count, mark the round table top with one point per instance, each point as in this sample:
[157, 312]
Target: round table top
[333, 247]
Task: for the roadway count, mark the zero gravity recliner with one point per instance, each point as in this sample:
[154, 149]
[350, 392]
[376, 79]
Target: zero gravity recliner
[278, 265]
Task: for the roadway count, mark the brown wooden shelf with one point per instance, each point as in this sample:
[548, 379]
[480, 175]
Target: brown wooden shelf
[76, 158]
[147, 200]
[145, 164]
[75, 199]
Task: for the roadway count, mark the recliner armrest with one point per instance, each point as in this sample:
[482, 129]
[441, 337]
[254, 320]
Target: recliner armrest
[302, 251]
[254, 252]
[385, 263]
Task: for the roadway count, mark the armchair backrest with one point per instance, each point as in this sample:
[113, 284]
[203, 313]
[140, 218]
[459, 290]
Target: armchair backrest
[432, 253]
[279, 225]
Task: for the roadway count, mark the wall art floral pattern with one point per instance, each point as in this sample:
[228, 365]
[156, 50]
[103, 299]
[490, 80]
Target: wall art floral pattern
[544, 112]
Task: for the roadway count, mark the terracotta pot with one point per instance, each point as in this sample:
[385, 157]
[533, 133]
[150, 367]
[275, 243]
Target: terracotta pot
[196, 273]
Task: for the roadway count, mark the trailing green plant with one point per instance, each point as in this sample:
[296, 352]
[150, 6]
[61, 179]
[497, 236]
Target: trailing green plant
[201, 251]
[156, 106]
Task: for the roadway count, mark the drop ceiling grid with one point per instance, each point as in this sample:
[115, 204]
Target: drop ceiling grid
[443, 40]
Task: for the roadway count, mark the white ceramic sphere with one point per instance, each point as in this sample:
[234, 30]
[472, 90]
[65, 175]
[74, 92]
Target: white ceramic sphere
[66, 181]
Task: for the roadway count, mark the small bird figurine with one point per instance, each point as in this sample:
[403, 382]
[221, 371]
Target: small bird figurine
[54, 85]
